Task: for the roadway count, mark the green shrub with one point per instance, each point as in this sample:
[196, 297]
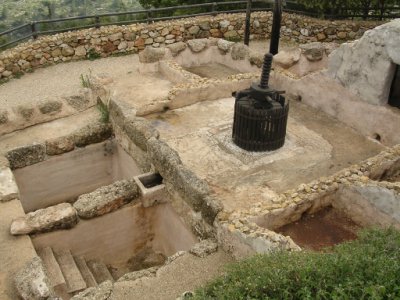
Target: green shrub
[368, 268]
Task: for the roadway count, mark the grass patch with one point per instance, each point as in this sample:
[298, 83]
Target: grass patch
[104, 111]
[367, 268]
[85, 81]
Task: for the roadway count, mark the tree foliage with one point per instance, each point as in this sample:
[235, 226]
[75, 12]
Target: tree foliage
[349, 7]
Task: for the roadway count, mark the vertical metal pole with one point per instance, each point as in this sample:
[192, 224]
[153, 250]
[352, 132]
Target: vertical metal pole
[247, 29]
[276, 27]
[33, 29]
[214, 9]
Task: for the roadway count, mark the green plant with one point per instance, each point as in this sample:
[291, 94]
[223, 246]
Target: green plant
[19, 74]
[367, 268]
[104, 111]
[85, 81]
[92, 54]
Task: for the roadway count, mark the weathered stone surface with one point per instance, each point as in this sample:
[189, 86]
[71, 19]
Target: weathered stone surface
[50, 107]
[313, 51]
[210, 209]
[32, 282]
[26, 112]
[256, 58]
[102, 292]
[231, 34]
[80, 51]
[366, 66]
[192, 189]
[194, 30]
[106, 199]
[61, 216]
[67, 50]
[239, 51]
[59, 145]
[224, 45]
[3, 117]
[26, 155]
[8, 186]
[91, 134]
[81, 101]
[139, 130]
[164, 158]
[287, 58]
[151, 55]
[197, 45]
[132, 276]
[177, 48]
[204, 248]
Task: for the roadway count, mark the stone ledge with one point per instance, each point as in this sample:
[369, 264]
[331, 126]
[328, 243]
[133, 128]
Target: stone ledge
[106, 199]
[61, 216]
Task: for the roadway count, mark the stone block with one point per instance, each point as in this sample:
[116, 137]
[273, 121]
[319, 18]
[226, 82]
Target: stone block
[106, 199]
[61, 216]
[59, 145]
[92, 133]
[151, 55]
[197, 45]
[139, 130]
[26, 155]
[32, 282]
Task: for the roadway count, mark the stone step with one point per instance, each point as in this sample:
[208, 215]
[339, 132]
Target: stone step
[85, 271]
[53, 268]
[72, 275]
[99, 271]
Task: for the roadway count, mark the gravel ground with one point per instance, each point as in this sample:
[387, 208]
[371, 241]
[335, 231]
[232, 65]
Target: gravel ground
[64, 79]
[61, 80]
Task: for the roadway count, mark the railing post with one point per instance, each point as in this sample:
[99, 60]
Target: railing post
[214, 9]
[97, 21]
[33, 29]
[149, 16]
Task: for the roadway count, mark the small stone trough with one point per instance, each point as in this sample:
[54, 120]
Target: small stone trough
[152, 190]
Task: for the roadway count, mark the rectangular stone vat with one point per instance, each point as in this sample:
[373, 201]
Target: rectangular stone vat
[64, 177]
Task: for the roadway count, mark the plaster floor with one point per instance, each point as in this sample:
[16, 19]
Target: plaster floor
[317, 145]
[213, 70]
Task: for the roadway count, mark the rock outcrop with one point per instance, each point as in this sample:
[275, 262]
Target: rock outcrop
[366, 66]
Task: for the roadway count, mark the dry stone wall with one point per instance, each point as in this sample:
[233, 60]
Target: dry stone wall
[114, 40]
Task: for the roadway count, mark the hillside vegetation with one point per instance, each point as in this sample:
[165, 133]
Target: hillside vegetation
[17, 12]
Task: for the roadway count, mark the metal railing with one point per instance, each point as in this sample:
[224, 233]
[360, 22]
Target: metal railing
[44, 27]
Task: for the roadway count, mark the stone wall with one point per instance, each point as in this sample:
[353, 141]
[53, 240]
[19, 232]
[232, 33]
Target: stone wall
[113, 40]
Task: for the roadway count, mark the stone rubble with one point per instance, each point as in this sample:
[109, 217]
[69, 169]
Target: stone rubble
[204, 248]
[32, 282]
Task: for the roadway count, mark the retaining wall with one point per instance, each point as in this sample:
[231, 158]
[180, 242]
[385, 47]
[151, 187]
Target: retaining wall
[115, 40]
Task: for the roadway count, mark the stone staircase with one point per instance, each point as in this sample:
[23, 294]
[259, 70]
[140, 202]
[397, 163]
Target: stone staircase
[71, 274]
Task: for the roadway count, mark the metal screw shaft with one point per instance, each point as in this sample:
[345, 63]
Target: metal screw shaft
[266, 70]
